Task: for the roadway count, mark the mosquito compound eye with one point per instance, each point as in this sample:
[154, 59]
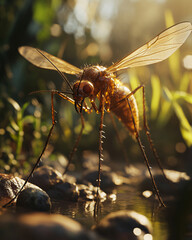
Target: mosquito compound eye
[82, 89]
[87, 89]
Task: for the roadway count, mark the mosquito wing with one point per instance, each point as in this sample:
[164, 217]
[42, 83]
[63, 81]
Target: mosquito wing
[45, 60]
[156, 50]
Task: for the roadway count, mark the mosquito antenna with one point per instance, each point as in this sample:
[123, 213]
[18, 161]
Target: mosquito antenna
[40, 91]
[76, 104]
[61, 74]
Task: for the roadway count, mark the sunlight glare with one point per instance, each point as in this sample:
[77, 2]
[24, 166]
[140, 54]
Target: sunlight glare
[187, 62]
[55, 30]
[81, 10]
[108, 9]
[148, 236]
[147, 193]
[137, 231]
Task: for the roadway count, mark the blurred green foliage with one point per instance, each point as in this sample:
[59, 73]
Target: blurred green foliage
[171, 100]
[16, 145]
[44, 14]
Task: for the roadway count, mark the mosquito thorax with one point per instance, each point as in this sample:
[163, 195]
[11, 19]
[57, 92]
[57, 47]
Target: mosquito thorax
[92, 73]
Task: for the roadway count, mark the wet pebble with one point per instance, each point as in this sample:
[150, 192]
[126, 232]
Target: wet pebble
[169, 187]
[34, 200]
[38, 226]
[45, 177]
[89, 192]
[64, 191]
[123, 225]
[109, 180]
[10, 186]
[55, 185]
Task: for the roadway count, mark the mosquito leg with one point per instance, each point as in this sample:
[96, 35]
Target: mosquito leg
[118, 137]
[74, 149]
[86, 109]
[65, 97]
[145, 157]
[155, 154]
[39, 158]
[76, 143]
[100, 144]
[96, 207]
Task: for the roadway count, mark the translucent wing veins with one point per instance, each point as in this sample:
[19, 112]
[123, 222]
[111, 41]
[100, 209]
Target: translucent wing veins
[156, 50]
[37, 59]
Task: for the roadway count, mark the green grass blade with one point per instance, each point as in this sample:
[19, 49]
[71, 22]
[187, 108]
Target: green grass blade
[155, 99]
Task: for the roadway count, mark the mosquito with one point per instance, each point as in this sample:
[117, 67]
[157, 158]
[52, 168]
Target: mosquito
[101, 83]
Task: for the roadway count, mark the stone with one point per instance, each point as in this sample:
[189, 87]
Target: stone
[10, 186]
[39, 226]
[34, 200]
[124, 225]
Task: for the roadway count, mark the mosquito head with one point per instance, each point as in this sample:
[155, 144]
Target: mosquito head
[81, 90]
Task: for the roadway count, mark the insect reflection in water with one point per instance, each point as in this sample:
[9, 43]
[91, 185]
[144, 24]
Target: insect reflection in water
[98, 82]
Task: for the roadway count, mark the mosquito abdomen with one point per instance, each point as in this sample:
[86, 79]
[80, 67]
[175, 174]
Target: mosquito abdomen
[121, 108]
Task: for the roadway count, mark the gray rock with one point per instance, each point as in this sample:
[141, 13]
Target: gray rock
[56, 186]
[123, 225]
[34, 200]
[64, 191]
[109, 180]
[46, 177]
[10, 186]
[89, 192]
[40, 226]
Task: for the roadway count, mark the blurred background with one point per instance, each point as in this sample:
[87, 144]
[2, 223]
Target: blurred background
[91, 32]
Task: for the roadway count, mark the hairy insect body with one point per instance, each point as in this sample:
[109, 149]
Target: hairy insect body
[120, 107]
[115, 94]
[98, 82]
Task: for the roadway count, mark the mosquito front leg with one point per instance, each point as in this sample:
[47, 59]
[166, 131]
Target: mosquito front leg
[94, 106]
[76, 143]
[86, 109]
[145, 157]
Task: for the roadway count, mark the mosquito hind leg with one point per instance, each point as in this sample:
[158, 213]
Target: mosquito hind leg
[146, 128]
[40, 156]
[145, 157]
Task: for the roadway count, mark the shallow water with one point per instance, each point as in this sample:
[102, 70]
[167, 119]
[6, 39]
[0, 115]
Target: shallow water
[126, 199]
